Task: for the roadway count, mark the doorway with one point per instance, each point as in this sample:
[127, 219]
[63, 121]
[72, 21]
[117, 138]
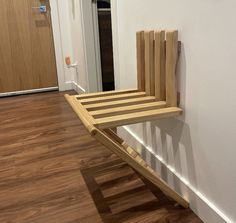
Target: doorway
[106, 47]
[26, 47]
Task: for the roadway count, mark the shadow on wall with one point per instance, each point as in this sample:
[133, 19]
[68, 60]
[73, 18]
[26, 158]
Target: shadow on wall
[170, 141]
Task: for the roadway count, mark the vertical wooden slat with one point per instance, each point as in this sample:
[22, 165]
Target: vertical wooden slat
[160, 85]
[149, 63]
[140, 60]
[171, 60]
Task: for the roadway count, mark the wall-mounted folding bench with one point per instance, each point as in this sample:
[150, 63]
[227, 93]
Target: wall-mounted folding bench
[155, 98]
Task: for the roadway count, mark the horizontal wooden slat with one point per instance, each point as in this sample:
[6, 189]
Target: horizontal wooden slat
[136, 117]
[111, 98]
[114, 104]
[106, 93]
[127, 109]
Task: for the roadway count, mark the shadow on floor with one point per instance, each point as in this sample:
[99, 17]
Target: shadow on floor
[122, 195]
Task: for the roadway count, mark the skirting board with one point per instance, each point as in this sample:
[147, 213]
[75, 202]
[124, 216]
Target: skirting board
[204, 208]
[28, 91]
[72, 85]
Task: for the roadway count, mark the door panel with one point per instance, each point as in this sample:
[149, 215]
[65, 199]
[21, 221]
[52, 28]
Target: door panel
[27, 59]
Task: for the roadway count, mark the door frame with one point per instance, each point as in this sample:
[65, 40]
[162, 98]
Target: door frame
[97, 45]
[62, 35]
[57, 38]
[115, 40]
[90, 32]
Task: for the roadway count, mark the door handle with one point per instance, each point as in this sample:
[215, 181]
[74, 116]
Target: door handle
[41, 8]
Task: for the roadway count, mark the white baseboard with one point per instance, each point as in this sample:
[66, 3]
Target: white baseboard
[72, 85]
[199, 203]
[14, 93]
[68, 86]
[78, 88]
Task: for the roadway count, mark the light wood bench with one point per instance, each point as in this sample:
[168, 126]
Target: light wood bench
[154, 98]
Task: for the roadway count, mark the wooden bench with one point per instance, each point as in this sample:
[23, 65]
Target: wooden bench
[154, 98]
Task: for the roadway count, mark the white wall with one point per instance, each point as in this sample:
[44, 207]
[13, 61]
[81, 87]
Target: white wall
[83, 42]
[73, 30]
[62, 41]
[77, 42]
[196, 152]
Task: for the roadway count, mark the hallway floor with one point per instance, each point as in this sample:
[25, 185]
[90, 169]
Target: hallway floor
[52, 171]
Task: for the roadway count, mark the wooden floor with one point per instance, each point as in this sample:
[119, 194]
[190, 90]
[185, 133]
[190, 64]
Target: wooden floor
[51, 170]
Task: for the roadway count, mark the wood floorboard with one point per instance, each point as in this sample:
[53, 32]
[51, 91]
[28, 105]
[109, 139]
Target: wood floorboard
[53, 171]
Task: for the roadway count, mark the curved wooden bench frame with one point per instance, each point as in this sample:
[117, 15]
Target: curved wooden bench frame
[155, 97]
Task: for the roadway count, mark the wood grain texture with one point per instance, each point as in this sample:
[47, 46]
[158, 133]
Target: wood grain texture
[53, 171]
[107, 93]
[149, 63]
[127, 109]
[114, 104]
[112, 98]
[136, 117]
[140, 60]
[82, 113]
[171, 61]
[26, 47]
[115, 108]
[160, 59]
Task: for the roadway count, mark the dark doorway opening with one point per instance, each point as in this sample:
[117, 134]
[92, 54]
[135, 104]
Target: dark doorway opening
[105, 36]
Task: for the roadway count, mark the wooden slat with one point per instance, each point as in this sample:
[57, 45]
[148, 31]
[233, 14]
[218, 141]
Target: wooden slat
[171, 61]
[136, 162]
[119, 140]
[106, 93]
[140, 60]
[114, 136]
[137, 117]
[160, 85]
[149, 63]
[84, 116]
[114, 104]
[111, 98]
[127, 109]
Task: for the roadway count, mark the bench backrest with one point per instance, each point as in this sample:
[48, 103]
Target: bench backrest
[157, 55]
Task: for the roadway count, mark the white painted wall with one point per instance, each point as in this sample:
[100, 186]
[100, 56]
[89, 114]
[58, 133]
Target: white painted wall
[83, 42]
[62, 41]
[77, 42]
[196, 152]
[73, 30]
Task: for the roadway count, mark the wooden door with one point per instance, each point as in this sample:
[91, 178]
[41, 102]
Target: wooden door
[27, 59]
